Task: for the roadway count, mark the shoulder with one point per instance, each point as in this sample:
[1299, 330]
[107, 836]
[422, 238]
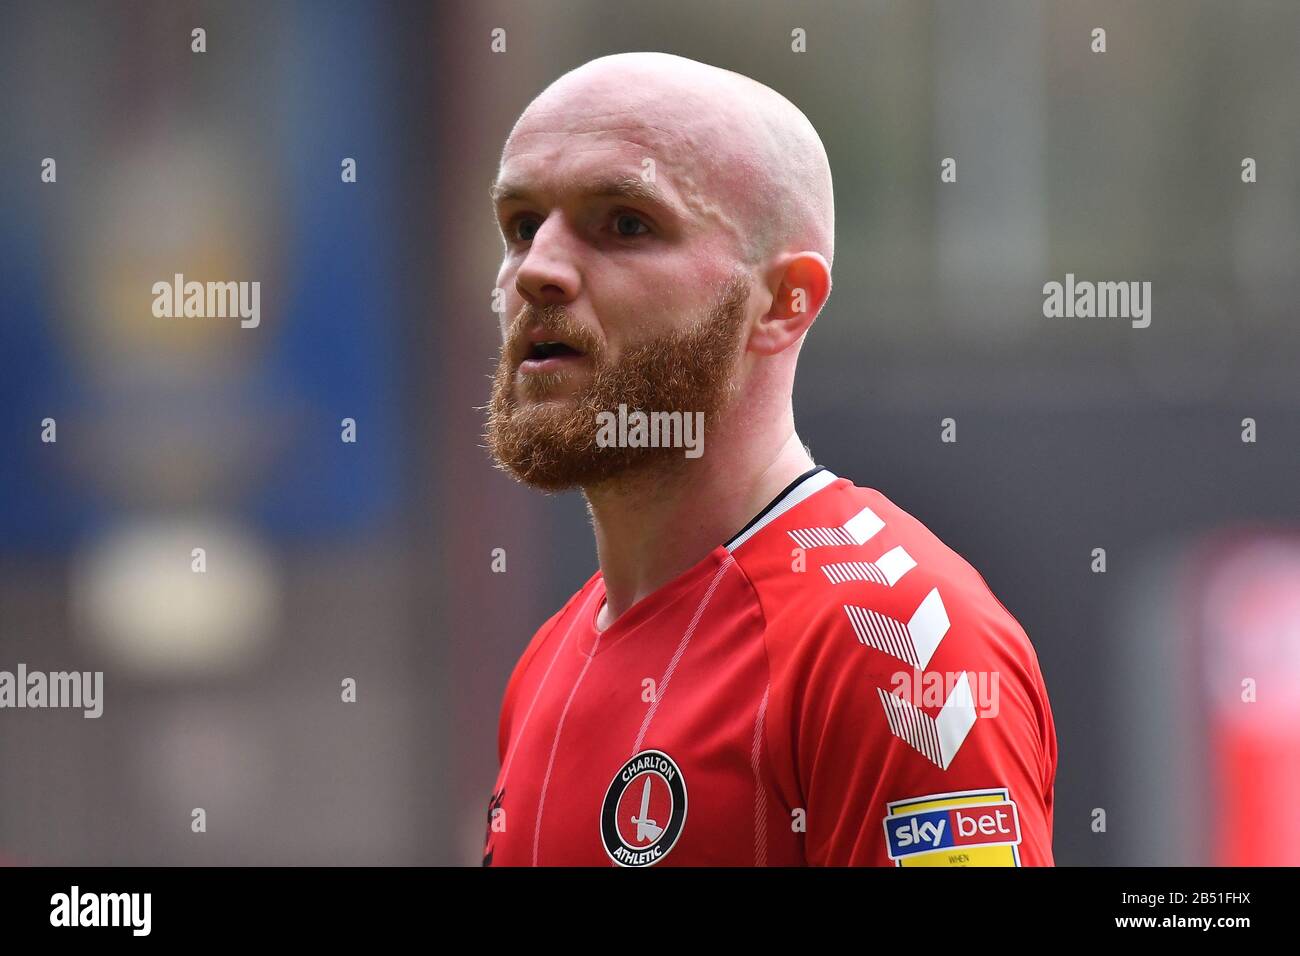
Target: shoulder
[543, 634]
[848, 570]
[897, 679]
[539, 639]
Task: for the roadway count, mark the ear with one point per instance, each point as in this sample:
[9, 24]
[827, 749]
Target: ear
[800, 284]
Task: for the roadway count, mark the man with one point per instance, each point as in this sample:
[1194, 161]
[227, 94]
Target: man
[771, 666]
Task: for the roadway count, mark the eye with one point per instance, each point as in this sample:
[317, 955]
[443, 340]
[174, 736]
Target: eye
[522, 229]
[625, 224]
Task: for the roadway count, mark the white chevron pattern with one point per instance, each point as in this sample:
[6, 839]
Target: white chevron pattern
[859, 529]
[939, 738]
[886, 570]
[914, 642]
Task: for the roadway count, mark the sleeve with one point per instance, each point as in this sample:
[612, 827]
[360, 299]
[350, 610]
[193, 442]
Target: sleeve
[947, 764]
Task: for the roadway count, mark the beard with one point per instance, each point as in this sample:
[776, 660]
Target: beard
[551, 445]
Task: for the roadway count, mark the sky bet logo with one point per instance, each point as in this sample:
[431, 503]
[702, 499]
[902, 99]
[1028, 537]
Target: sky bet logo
[951, 822]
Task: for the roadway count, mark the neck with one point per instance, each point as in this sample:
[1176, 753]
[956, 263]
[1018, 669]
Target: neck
[652, 527]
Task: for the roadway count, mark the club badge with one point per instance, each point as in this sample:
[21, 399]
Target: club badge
[644, 810]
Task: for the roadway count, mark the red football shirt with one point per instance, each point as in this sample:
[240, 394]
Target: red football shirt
[833, 686]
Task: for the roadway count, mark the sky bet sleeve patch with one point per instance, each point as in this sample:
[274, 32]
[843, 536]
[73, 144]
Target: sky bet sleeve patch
[967, 828]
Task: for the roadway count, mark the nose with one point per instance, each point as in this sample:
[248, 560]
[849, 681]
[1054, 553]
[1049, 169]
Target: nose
[548, 274]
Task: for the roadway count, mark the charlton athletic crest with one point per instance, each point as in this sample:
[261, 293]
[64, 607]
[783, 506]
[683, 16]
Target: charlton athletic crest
[644, 810]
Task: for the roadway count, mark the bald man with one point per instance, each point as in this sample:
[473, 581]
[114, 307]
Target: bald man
[771, 666]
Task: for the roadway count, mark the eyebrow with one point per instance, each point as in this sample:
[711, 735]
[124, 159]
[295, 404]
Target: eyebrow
[625, 187]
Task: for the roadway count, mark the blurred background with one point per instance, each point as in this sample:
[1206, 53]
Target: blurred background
[372, 560]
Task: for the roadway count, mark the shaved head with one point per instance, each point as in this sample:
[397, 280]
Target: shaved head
[738, 154]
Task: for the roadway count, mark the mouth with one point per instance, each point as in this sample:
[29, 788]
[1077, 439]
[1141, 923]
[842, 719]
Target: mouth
[548, 355]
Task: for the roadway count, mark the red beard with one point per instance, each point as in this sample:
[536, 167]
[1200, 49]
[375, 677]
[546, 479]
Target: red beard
[552, 445]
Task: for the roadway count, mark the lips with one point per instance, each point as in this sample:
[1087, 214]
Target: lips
[544, 351]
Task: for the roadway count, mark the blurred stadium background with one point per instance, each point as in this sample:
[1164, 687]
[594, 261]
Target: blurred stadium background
[372, 560]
